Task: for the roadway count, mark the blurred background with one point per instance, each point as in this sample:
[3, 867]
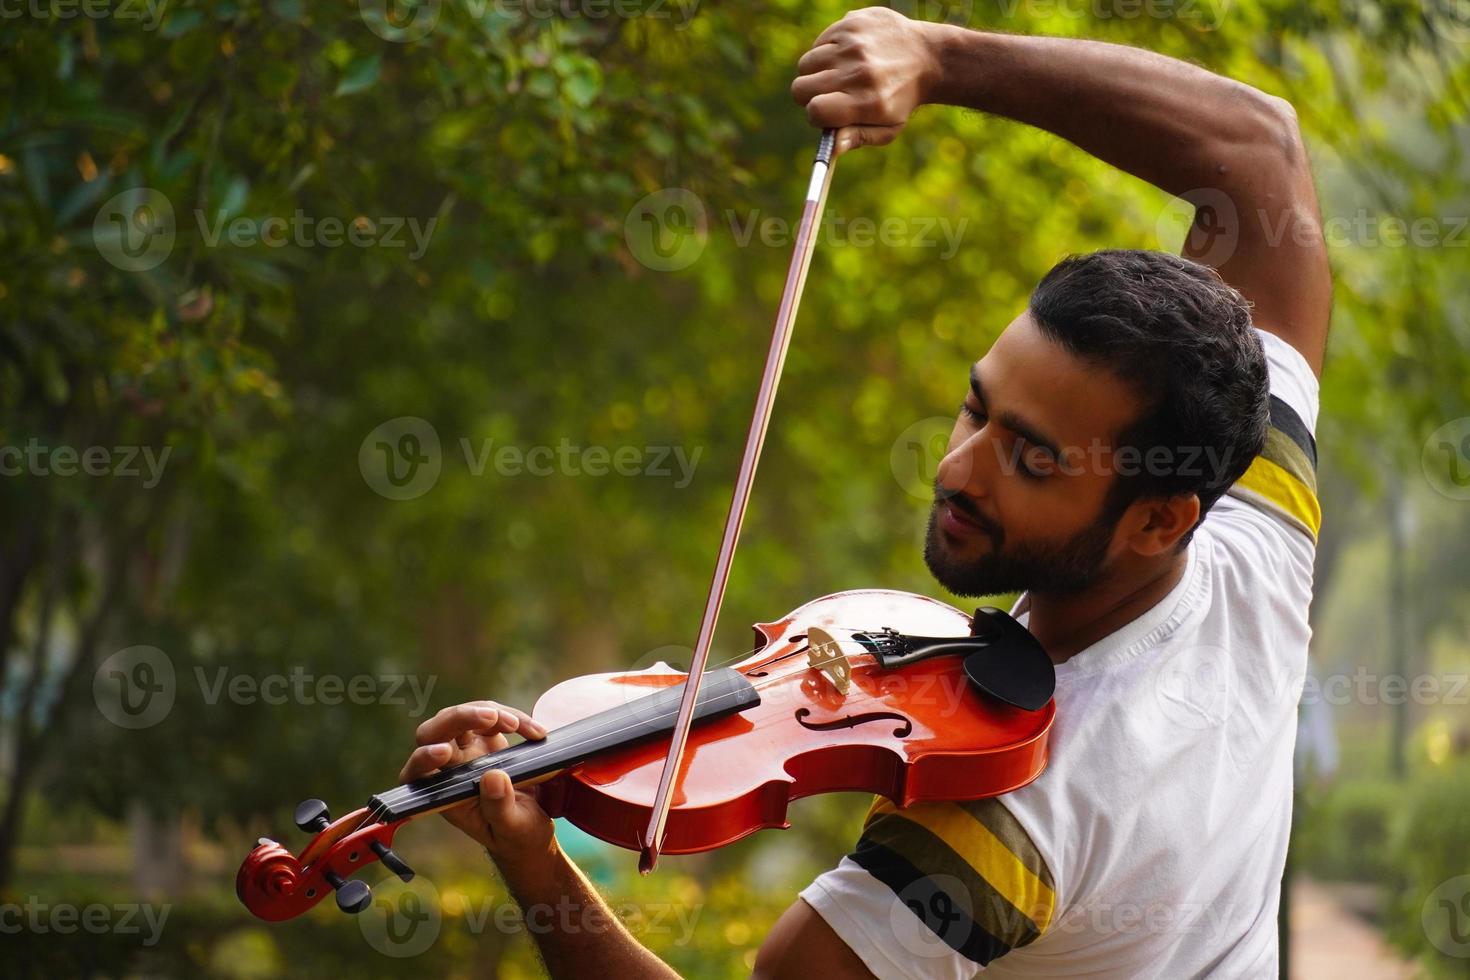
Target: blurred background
[357, 359]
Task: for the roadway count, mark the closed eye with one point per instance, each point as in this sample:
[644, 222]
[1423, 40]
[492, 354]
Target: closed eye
[973, 414]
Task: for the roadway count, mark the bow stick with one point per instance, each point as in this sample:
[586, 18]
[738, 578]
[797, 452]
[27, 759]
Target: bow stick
[806, 237]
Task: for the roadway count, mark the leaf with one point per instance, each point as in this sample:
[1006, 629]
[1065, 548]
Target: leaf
[361, 74]
[581, 89]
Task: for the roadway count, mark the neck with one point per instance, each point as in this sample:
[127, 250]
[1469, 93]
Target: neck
[1068, 624]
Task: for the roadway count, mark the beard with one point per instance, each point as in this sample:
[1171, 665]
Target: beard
[1063, 568]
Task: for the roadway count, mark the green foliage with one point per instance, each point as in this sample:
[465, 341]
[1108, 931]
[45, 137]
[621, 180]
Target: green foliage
[527, 318]
[1345, 835]
[1431, 850]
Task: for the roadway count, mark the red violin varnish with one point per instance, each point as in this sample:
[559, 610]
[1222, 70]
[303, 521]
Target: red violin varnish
[873, 691]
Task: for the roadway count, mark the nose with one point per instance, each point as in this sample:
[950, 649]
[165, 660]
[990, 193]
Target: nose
[964, 467]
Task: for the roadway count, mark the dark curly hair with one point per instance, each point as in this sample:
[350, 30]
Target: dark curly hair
[1182, 338]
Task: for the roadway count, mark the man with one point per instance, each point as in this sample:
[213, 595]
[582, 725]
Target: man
[1117, 457]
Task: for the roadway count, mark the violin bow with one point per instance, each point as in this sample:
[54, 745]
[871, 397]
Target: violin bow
[806, 238]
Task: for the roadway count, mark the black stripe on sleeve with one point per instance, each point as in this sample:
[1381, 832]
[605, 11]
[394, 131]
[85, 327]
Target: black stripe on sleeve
[1284, 418]
[931, 903]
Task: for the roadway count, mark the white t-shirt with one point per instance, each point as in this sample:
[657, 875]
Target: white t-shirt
[1153, 844]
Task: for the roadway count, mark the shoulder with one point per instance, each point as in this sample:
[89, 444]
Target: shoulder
[1280, 486]
[957, 884]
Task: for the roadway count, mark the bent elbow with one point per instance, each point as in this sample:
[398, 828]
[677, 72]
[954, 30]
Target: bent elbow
[1281, 129]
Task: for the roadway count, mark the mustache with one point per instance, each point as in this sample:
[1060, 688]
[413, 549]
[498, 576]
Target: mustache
[965, 505]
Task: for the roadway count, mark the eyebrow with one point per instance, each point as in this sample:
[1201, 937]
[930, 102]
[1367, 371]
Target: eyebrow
[1013, 421]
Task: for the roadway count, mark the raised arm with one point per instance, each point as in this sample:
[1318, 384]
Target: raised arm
[1195, 134]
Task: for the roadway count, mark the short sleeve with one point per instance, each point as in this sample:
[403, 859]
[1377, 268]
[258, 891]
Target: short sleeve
[936, 891]
[1282, 480]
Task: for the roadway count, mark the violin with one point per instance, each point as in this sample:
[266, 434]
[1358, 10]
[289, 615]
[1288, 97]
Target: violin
[873, 690]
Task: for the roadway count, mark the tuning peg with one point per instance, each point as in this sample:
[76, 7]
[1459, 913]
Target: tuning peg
[312, 816]
[352, 896]
[392, 861]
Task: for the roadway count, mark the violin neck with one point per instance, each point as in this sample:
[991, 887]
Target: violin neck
[722, 692]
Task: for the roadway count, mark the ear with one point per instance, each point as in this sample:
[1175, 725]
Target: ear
[1154, 526]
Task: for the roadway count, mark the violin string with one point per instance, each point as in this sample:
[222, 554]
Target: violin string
[381, 808]
[420, 795]
[388, 799]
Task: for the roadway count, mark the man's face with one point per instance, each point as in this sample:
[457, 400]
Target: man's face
[1020, 494]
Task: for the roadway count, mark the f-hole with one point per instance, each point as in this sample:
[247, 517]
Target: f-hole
[852, 721]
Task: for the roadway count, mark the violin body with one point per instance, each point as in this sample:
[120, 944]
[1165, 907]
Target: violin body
[913, 734]
[873, 691]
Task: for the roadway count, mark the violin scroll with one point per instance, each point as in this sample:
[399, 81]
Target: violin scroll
[276, 885]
